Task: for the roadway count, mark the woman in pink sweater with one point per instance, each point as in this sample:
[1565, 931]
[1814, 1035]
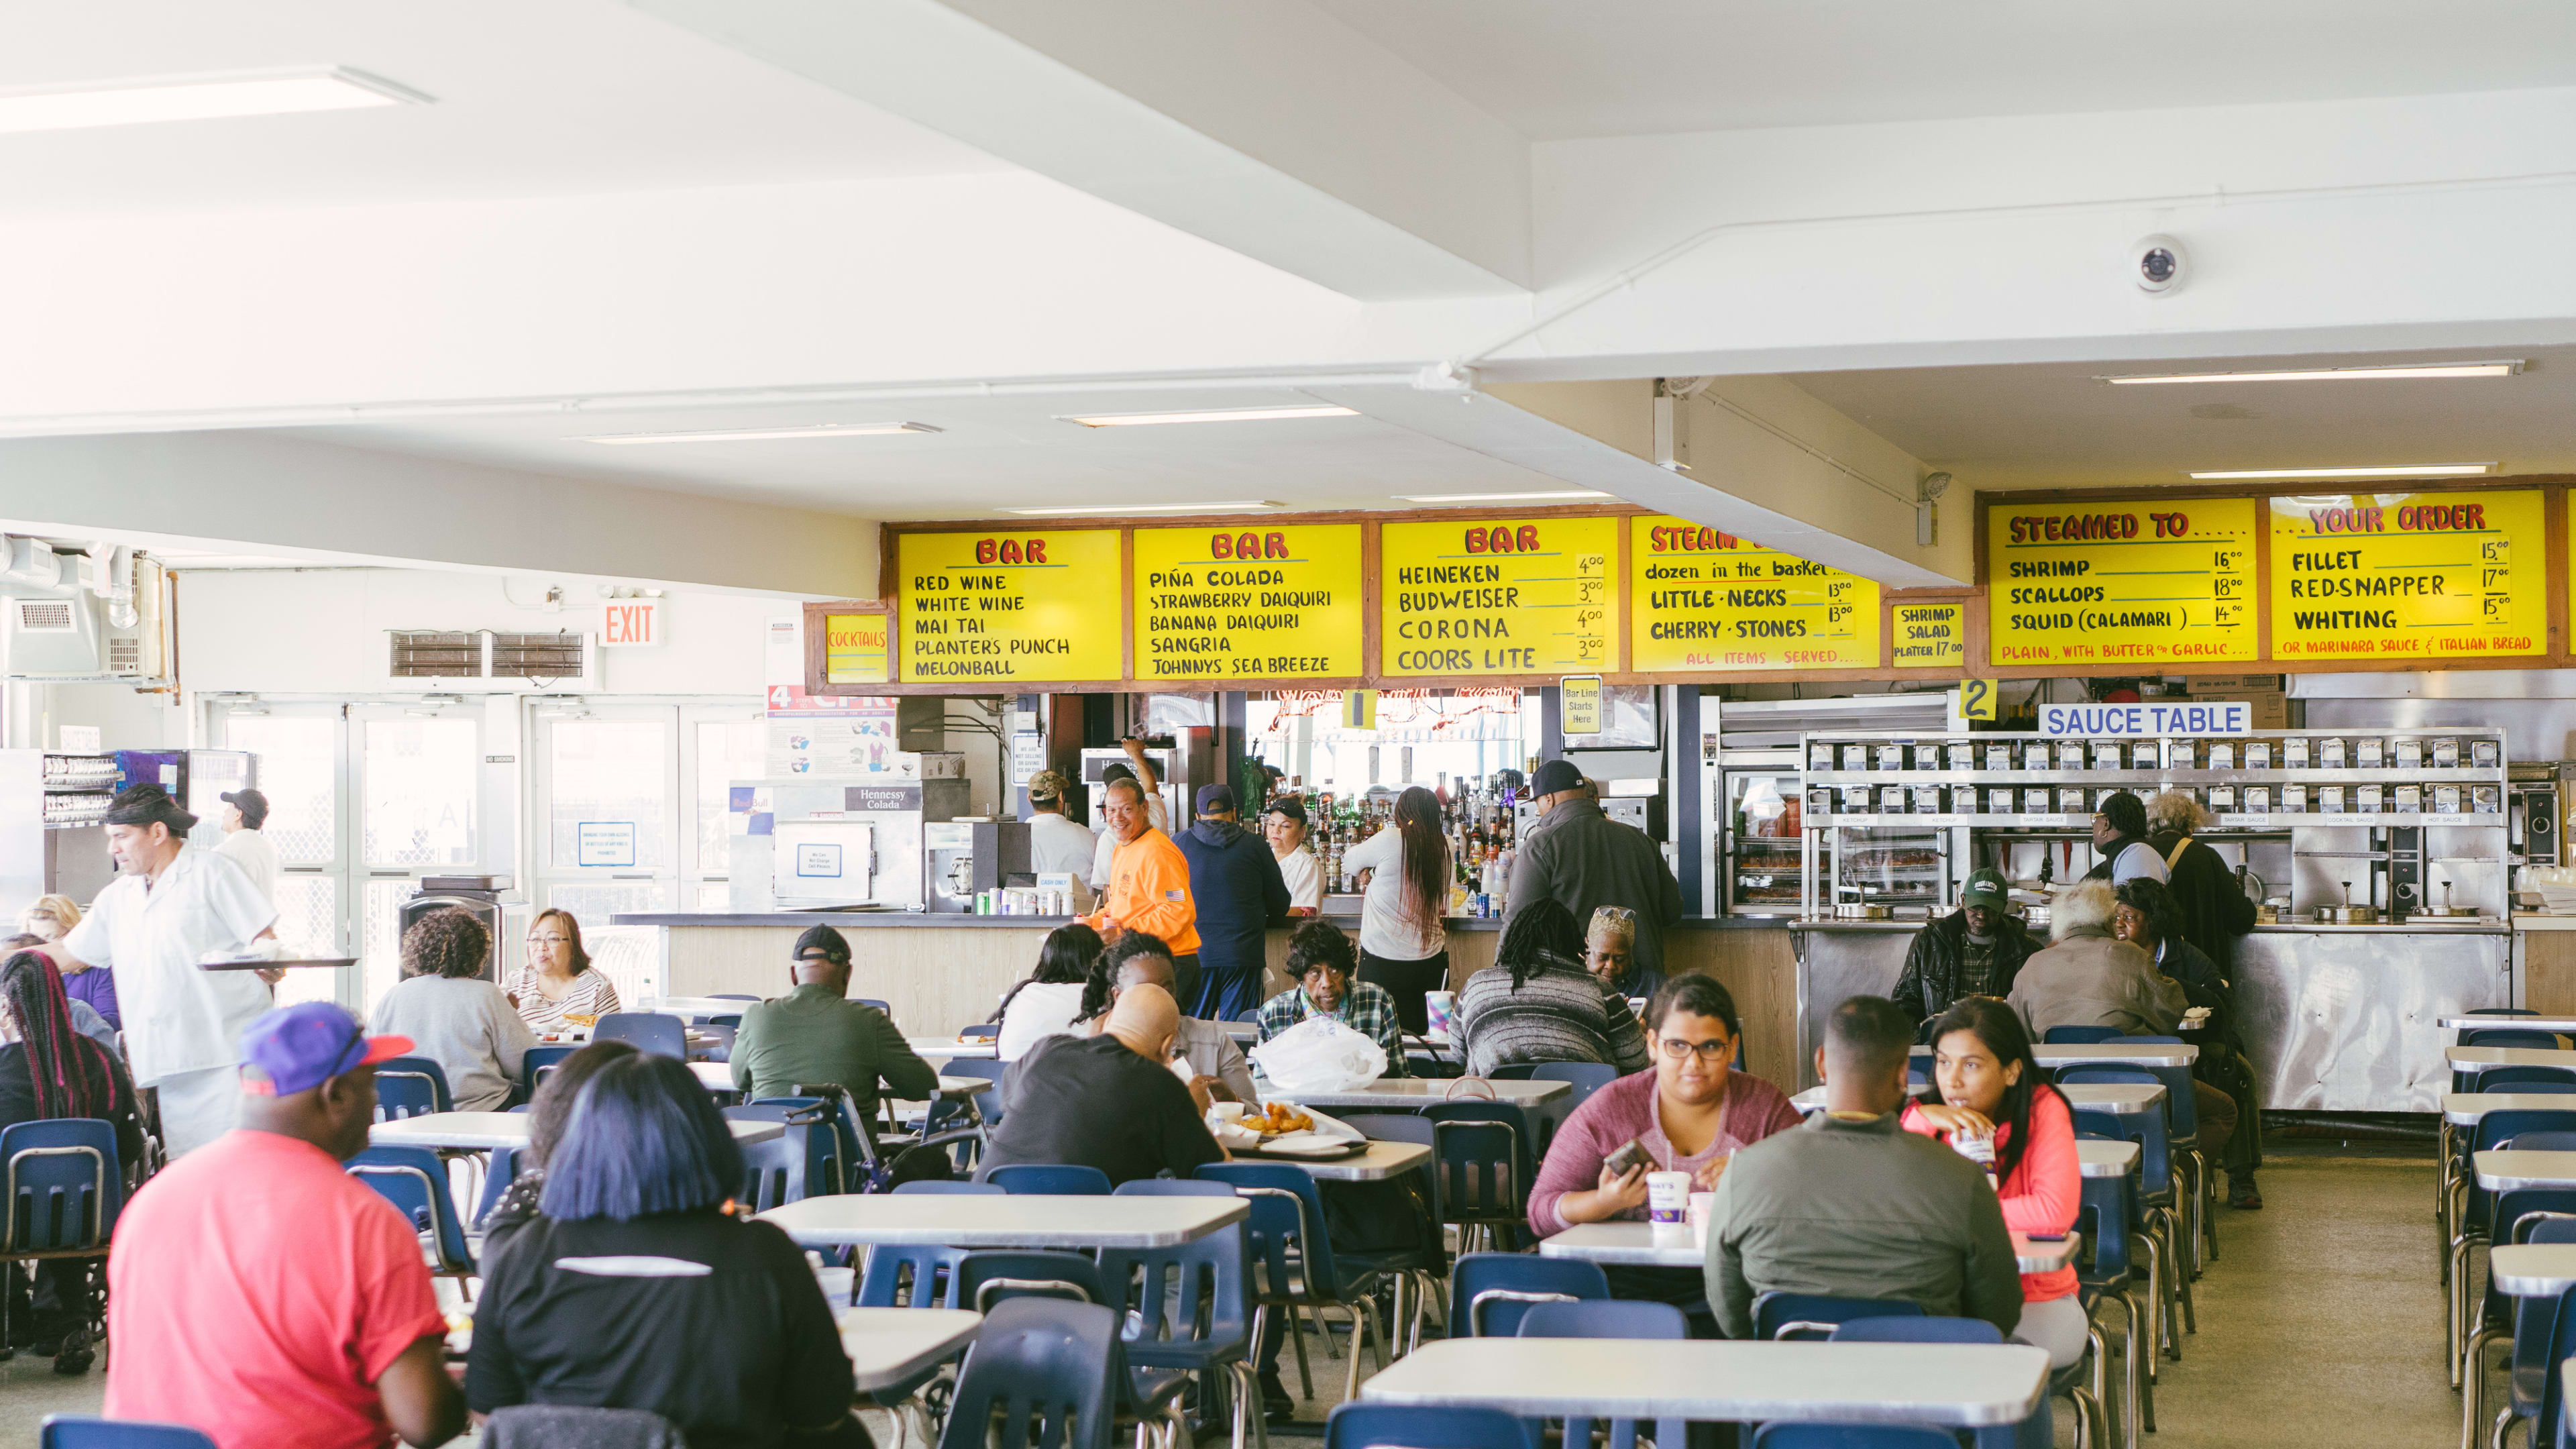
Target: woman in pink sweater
[1688, 1113]
[1996, 1109]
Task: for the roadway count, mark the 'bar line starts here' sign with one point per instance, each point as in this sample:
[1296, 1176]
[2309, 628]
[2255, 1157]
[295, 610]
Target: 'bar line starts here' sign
[2147, 719]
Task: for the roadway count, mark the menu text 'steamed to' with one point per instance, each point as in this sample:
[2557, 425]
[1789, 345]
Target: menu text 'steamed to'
[1497, 596]
[1710, 601]
[2409, 576]
[2120, 582]
[1216, 603]
[1039, 607]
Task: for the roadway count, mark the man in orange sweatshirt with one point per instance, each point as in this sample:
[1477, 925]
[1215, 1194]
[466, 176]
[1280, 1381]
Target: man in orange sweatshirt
[1149, 886]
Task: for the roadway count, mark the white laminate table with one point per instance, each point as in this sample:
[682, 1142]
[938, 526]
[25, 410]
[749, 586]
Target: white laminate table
[2097, 1158]
[1953, 1385]
[949, 1048]
[1382, 1160]
[483, 1131]
[2464, 1109]
[1004, 1220]
[1400, 1094]
[718, 1075]
[2532, 1270]
[2508, 1170]
[2120, 1099]
[1675, 1245]
[697, 1006]
[2480, 1058]
[889, 1345]
[2053, 1055]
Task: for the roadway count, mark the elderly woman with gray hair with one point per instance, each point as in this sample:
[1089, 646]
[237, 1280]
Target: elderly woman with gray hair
[2214, 907]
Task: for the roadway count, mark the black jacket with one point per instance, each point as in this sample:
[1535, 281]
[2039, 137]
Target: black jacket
[1932, 965]
[1583, 860]
[2215, 909]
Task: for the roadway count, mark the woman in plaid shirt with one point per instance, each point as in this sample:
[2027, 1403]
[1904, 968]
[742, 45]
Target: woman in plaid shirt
[1323, 961]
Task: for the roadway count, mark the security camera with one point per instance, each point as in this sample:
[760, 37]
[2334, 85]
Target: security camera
[1935, 484]
[2157, 263]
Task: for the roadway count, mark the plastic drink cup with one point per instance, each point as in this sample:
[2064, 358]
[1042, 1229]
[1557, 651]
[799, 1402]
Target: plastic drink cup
[1438, 1007]
[1667, 1196]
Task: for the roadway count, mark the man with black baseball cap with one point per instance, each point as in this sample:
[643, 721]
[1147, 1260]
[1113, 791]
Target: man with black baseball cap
[245, 816]
[1236, 883]
[1283, 820]
[172, 908]
[816, 1034]
[1584, 860]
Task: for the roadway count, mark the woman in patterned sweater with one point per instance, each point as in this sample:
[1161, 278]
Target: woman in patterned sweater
[1537, 1003]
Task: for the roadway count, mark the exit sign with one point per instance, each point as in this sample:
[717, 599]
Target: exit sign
[629, 623]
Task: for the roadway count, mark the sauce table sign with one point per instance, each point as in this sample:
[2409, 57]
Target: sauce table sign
[2120, 582]
[1471, 597]
[2409, 576]
[1705, 600]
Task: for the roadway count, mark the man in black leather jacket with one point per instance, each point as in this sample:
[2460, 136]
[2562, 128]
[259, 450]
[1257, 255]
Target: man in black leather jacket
[1974, 952]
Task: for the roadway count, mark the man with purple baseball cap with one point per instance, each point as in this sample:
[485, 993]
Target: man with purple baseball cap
[260, 1293]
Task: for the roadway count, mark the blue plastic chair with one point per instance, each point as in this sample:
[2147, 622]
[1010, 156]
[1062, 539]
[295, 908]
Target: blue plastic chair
[2182, 1138]
[1048, 1370]
[2489, 1036]
[2088, 1402]
[81, 1431]
[1480, 1157]
[497, 1176]
[1057, 1179]
[820, 1170]
[2544, 1335]
[2525, 1079]
[951, 1187]
[1488, 1292]
[2079, 1035]
[774, 1172]
[1295, 1261]
[988, 1104]
[411, 1087]
[1368, 1426]
[1609, 1318]
[1188, 1309]
[1171, 1187]
[910, 1275]
[1816, 1315]
[2514, 1216]
[534, 1068]
[64, 1187]
[414, 1180]
[2156, 1204]
[988, 1276]
[885, 1008]
[2106, 1274]
[649, 1031]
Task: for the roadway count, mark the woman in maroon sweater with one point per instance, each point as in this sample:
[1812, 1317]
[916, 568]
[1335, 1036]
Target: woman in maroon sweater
[1689, 1113]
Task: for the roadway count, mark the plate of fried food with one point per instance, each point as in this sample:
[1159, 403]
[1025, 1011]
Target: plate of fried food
[1289, 1131]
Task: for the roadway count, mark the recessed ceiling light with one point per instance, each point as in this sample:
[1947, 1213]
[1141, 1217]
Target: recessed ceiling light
[1223, 415]
[1561, 493]
[2396, 470]
[1255, 505]
[197, 98]
[2392, 372]
[755, 435]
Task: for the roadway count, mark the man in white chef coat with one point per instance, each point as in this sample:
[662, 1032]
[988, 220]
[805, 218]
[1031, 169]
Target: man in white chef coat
[245, 813]
[171, 907]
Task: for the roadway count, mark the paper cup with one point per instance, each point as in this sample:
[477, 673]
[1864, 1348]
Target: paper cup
[1667, 1196]
[1437, 1008]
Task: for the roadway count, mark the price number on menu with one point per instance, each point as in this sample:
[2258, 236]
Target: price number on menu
[1591, 579]
[2226, 558]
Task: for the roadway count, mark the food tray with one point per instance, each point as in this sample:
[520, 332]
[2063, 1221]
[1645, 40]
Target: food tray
[1319, 1151]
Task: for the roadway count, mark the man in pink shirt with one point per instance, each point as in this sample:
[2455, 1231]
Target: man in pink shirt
[260, 1294]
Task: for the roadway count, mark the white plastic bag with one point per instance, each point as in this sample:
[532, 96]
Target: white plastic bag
[1319, 1054]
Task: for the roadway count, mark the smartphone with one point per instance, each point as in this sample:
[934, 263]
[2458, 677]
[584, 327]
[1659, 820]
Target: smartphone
[2045, 1237]
[1627, 1158]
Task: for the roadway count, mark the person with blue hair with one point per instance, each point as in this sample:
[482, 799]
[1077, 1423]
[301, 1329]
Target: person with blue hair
[637, 1288]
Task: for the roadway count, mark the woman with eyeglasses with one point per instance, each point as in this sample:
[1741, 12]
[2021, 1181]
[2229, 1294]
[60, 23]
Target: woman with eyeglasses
[557, 982]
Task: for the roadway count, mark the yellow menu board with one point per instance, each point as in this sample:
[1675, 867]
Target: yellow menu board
[1930, 636]
[1705, 600]
[1248, 603]
[2409, 576]
[1497, 596]
[854, 649]
[1040, 607]
[2120, 582]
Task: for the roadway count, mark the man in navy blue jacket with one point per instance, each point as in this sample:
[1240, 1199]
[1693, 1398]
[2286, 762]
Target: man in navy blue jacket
[1235, 880]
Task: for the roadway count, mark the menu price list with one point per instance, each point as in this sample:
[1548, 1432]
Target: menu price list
[1035, 607]
[1707, 600]
[2119, 582]
[2409, 576]
[1231, 603]
[1473, 597]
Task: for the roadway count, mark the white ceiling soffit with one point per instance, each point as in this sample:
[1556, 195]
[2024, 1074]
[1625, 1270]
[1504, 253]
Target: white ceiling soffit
[1553, 70]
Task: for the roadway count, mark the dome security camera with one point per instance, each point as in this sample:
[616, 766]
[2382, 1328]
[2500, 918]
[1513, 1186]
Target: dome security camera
[2158, 263]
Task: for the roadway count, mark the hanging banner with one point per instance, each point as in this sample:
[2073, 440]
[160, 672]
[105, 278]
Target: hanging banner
[1508, 596]
[1219, 603]
[1010, 606]
[1930, 636]
[2120, 583]
[2409, 576]
[1704, 600]
[854, 649]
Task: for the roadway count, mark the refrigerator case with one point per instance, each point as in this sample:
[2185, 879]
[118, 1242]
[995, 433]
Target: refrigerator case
[1758, 817]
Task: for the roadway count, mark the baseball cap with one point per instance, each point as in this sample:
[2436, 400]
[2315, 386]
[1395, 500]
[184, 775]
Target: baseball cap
[1288, 805]
[1984, 888]
[254, 805]
[1556, 777]
[1115, 771]
[1049, 785]
[1216, 797]
[831, 943]
[297, 1048]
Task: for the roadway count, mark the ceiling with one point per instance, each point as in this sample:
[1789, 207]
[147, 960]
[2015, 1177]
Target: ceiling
[2056, 425]
[991, 453]
[550, 98]
[1552, 70]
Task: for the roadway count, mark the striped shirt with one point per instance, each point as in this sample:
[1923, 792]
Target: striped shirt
[1561, 1013]
[591, 995]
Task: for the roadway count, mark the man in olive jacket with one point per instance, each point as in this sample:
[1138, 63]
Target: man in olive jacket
[1852, 1205]
[1974, 951]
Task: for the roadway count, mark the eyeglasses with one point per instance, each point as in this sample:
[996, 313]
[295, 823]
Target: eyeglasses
[1674, 1049]
[548, 940]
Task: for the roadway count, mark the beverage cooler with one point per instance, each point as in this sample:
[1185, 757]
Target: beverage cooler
[1756, 815]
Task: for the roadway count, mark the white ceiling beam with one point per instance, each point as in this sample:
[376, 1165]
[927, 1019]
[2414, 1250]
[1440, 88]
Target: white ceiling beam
[1272, 130]
[265, 494]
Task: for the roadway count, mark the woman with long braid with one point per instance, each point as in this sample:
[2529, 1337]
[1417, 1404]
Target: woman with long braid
[48, 1069]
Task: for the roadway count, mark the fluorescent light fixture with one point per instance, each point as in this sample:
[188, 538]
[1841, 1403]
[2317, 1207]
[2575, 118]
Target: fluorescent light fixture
[2395, 470]
[757, 435]
[1251, 505]
[1223, 415]
[1559, 494]
[2502, 368]
[197, 98]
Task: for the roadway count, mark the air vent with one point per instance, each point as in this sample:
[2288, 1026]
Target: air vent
[124, 654]
[45, 616]
[536, 656]
[422, 655]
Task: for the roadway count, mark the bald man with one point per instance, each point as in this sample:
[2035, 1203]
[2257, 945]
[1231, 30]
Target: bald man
[1111, 1101]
